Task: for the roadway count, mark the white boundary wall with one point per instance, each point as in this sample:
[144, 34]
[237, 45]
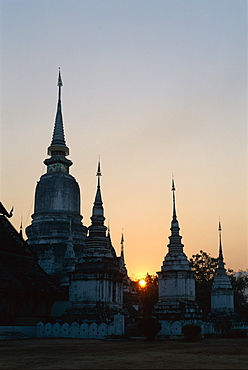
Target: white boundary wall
[75, 330]
[174, 329]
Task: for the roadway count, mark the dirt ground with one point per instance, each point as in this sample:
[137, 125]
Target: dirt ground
[122, 354]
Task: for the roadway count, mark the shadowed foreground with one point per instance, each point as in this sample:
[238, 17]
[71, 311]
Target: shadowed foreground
[116, 354]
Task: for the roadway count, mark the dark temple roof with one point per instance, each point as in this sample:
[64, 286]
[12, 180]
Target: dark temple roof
[19, 268]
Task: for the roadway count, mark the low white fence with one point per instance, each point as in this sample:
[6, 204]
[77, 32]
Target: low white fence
[174, 329]
[75, 330]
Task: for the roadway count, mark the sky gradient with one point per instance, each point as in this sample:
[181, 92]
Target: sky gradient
[154, 87]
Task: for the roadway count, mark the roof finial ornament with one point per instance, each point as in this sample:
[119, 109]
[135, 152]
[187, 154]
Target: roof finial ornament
[58, 144]
[122, 245]
[173, 184]
[122, 237]
[59, 84]
[99, 173]
[98, 208]
[220, 249]
[173, 189]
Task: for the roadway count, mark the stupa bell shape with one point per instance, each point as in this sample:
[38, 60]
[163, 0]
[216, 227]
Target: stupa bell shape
[57, 204]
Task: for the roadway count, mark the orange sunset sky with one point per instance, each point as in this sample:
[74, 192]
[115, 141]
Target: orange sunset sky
[154, 87]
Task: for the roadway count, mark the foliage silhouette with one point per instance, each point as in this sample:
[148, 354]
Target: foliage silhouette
[240, 286]
[149, 327]
[191, 332]
[204, 266]
[148, 294]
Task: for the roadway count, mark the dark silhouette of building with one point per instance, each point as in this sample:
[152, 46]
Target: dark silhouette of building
[26, 292]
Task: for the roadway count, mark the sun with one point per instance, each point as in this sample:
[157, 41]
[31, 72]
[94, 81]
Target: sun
[142, 283]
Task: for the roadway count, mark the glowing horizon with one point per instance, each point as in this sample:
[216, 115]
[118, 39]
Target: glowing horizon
[154, 88]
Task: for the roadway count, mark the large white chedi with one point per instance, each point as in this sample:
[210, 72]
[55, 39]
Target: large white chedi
[176, 282]
[222, 300]
[56, 220]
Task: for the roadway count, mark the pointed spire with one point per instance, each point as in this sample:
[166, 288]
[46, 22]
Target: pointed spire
[173, 189]
[122, 245]
[122, 238]
[175, 238]
[221, 263]
[60, 83]
[220, 249]
[174, 213]
[99, 173]
[58, 144]
[97, 210]
[97, 227]
[98, 192]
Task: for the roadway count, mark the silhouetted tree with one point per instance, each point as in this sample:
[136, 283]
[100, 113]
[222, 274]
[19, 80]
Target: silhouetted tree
[240, 286]
[148, 294]
[191, 332]
[149, 327]
[204, 267]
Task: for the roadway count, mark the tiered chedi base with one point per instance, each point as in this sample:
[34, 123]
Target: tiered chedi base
[177, 310]
[88, 313]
